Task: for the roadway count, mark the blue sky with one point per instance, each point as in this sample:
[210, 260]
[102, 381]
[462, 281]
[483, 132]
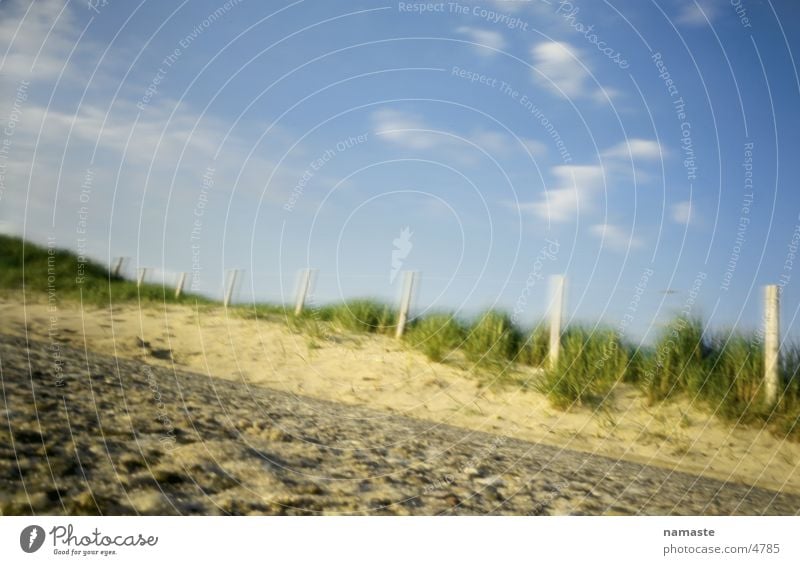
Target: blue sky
[654, 142]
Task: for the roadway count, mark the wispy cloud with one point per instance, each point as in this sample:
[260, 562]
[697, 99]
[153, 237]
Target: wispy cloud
[492, 141]
[36, 38]
[113, 129]
[559, 68]
[560, 205]
[148, 164]
[614, 237]
[636, 148]
[487, 40]
[563, 69]
[537, 10]
[504, 145]
[682, 212]
[575, 187]
[605, 93]
[412, 131]
[407, 130]
[587, 176]
[509, 5]
[697, 12]
[536, 147]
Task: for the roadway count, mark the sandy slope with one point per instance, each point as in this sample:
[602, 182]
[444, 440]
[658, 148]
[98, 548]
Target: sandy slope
[385, 375]
[117, 436]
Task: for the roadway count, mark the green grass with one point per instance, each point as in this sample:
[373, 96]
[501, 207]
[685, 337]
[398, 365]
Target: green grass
[492, 340]
[362, 315]
[438, 336]
[677, 363]
[590, 363]
[722, 372]
[264, 311]
[536, 348]
[58, 274]
[734, 372]
[785, 421]
[733, 385]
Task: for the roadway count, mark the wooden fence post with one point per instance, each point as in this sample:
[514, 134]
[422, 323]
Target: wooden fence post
[772, 342]
[117, 268]
[232, 274]
[405, 302]
[556, 310]
[142, 274]
[179, 286]
[302, 291]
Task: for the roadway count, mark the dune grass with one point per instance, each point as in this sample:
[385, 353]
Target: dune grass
[590, 363]
[492, 340]
[785, 420]
[264, 311]
[536, 347]
[437, 335]
[677, 363]
[361, 315]
[61, 275]
[723, 373]
[723, 370]
[720, 372]
[733, 376]
[489, 340]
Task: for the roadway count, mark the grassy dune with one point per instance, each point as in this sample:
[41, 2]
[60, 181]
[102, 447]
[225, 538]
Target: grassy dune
[722, 371]
[62, 274]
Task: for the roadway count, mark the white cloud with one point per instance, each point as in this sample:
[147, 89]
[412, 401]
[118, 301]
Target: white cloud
[637, 149]
[559, 68]
[527, 10]
[37, 36]
[535, 146]
[407, 129]
[509, 5]
[605, 93]
[492, 141]
[697, 13]
[563, 70]
[580, 176]
[504, 145]
[135, 169]
[614, 237]
[682, 212]
[153, 136]
[574, 190]
[411, 131]
[558, 206]
[485, 39]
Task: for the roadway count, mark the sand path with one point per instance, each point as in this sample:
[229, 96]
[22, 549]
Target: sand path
[385, 375]
[122, 437]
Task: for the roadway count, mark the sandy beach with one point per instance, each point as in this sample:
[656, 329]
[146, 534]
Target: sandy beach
[116, 436]
[387, 377]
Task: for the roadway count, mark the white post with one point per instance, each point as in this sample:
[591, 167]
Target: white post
[179, 286]
[141, 277]
[117, 269]
[302, 291]
[556, 310]
[772, 329]
[231, 285]
[405, 302]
